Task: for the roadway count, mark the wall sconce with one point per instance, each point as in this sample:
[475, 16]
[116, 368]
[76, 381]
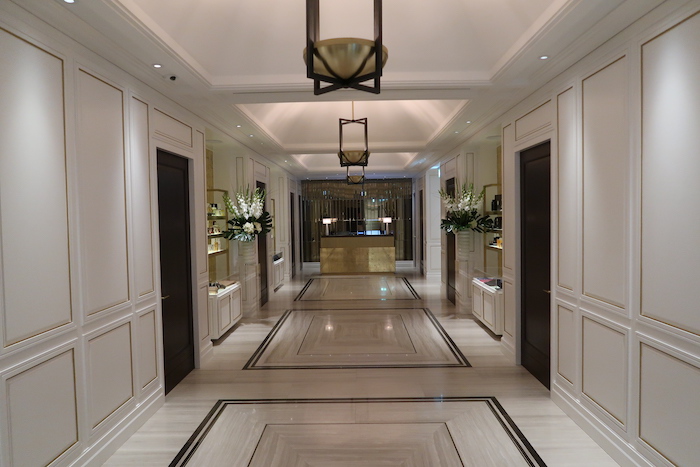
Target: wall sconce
[343, 62]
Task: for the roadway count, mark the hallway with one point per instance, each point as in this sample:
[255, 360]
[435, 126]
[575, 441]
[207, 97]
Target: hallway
[553, 435]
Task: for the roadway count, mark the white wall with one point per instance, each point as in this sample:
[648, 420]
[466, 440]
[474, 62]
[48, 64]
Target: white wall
[625, 236]
[81, 365]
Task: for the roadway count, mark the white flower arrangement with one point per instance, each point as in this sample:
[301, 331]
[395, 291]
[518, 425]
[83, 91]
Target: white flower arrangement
[463, 211]
[248, 217]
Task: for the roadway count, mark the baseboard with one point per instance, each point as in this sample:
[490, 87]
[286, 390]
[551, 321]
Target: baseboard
[619, 449]
[102, 450]
[206, 351]
[508, 349]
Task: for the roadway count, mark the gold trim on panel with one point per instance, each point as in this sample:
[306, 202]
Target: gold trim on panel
[583, 360]
[559, 283]
[583, 174]
[150, 188]
[641, 186]
[126, 212]
[189, 144]
[559, 340]
[515, 132]
[131, 365]
[155, 343]
[7, 343]
[34, 365]
[639, 399]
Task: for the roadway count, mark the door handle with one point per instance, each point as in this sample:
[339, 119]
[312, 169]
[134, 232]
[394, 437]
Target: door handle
[547, 291]
[163, 298]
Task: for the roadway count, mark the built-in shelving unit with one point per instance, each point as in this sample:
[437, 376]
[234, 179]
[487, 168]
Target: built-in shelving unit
[217, 245]
[493, 238]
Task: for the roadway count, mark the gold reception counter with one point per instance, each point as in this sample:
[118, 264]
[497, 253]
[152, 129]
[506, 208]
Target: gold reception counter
[357, 254]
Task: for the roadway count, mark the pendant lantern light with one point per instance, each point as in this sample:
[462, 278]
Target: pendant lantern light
[346, 62]
[355, 156]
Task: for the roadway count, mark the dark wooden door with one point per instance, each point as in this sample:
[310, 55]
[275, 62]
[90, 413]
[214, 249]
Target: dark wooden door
[535, 260]
[421, 233]
[293, 237]
[175, 267]
[450, 257]
[262, 257]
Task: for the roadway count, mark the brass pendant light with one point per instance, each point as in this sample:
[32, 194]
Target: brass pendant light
[343, 62]
[355, 179]
[353, 157]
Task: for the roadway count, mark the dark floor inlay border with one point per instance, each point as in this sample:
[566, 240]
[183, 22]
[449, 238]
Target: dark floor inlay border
[521, 443]
[410, 288]
[462, 361]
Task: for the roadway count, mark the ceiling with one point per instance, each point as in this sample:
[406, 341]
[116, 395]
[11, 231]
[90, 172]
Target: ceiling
[454, 65]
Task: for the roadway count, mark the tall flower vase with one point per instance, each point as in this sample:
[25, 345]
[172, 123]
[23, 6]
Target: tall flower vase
[465, 244]
[246, 253]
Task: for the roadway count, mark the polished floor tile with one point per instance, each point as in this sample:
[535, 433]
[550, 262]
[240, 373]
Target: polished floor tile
[358, 338]
[358, 288]
[552, 434]
[467, 431]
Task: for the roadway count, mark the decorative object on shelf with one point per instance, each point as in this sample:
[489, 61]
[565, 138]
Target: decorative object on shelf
[248, 219]
[343, 62]
[354, 157]
[463, 211]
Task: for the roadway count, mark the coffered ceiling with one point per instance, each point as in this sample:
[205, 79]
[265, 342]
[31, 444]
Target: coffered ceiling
[238, 63]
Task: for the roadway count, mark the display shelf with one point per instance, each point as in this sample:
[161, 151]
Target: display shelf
[493, 238]
[218, 250]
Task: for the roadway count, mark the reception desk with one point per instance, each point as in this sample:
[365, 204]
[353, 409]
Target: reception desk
[358, 254]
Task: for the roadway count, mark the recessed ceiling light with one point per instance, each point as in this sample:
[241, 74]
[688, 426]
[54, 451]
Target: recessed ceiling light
[238, 126]
[456, 132]
[157, 65]
[544, 57]
[250, 136]
[69, 1]
[468, 122]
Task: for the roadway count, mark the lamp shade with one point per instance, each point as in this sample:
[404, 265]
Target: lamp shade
[345, 62]
[345, 58]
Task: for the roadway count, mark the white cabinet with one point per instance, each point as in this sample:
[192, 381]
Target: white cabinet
[487, 305]
[224, 309]
[277, 273]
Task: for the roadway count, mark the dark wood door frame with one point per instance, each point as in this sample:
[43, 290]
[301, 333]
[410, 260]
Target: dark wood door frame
[535, 262]
[177, 304]
[262, 256]
[450, 248]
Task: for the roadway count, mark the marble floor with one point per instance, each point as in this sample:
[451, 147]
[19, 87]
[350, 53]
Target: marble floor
[355, 288]
[299, 412]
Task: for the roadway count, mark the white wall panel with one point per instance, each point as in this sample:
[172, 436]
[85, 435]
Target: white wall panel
[567, 229]
[202, 305]
[566, 343]
[669, 417]
[43, 411]
[509, 212]
[605, 182]
[148, 353]
[535, 120]
[166, 126]
[509, 307]
[101, 189]
[605, 368]
[670, 174]
[109, 372]
[32, 192]
[141, 196]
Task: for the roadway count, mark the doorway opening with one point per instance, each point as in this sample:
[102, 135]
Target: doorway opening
[450, 253]
[262, 255]
[175, 267]
[535, 215]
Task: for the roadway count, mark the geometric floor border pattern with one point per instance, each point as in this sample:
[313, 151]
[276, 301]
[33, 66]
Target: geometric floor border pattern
[404, 288]
[422, 431]
[365, 338]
